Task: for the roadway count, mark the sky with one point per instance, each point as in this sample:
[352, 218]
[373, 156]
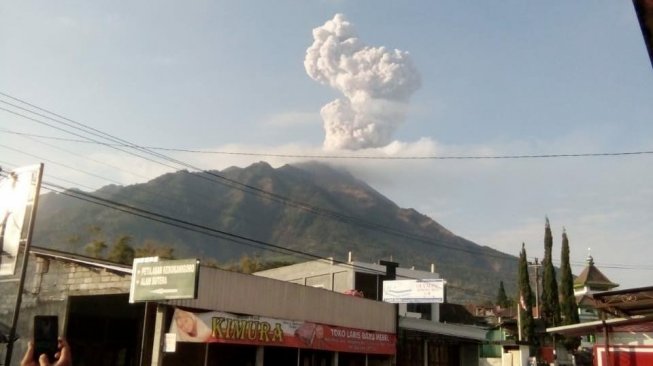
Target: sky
[380, 79]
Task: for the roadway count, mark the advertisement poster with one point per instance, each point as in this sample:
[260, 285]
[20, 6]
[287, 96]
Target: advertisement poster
[413, 291]
[17, 194]
[230, 328]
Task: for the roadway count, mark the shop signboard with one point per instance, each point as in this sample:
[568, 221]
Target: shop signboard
[165, 280]
[220, 327]
[414, 291]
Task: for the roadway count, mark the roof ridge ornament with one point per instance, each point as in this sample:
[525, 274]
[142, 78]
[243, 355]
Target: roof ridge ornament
[590, 259]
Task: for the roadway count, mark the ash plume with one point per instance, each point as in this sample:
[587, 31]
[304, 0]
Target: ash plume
[376, 84]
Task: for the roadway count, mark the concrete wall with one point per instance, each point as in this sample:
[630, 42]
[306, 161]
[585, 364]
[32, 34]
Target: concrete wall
[490, 361]
[320, 273]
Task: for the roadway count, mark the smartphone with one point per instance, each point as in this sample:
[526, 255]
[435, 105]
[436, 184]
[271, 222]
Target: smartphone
[46, 334]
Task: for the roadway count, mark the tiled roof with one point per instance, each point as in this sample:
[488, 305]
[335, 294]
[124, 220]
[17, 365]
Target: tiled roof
[593, 278]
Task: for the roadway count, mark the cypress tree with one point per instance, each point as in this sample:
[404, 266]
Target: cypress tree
[568, 306]
[550, 303]
[525, 300]
[502, 298]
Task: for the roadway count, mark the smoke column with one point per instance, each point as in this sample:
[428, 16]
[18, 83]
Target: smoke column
[376, 84]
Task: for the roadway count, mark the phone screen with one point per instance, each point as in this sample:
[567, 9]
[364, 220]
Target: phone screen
[46, 333]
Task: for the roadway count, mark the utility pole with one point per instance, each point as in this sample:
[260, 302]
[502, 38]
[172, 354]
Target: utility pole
[35, 175]
[537, 266]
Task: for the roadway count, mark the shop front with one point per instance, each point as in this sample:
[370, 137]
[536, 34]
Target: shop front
[240, 319]
[221, 338]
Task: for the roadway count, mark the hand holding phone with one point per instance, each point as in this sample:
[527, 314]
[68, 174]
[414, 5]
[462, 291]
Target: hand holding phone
[64, 357]
[46, 336]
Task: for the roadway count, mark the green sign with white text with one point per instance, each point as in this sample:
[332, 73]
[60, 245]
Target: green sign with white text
[166, 280]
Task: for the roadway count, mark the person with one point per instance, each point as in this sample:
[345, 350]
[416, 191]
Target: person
[63, 357]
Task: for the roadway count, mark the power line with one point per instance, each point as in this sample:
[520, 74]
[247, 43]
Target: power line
[229, 236]
[188, 225]
[352, 220]
[238, 239]
[37, 140]
[361, 157]
[440, 243]
[205, 230]
[269, 195]
[51, 176]
[67, 166]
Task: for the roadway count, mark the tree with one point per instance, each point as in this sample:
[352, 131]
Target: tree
[525, 299]
[249, 264]
[96, 249]
[153, 248]
[550, 302]
[568, 306]
[121, 251]
[502, 298]
[97, 246]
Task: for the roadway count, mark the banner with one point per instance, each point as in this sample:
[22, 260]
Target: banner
[230, 328]
[414, 291]
[17, 194]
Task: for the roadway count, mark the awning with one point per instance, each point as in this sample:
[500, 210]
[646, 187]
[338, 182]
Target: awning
[625, 303]
[597, 326]
[453, 330]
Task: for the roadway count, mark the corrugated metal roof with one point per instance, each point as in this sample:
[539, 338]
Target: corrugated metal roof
[76, 258]
[627, 302]
[221, 290]
[453, 330]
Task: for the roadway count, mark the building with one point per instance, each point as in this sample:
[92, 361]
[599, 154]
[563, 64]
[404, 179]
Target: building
[90, 297]
[624, 335]
[236, 319]
[428, 333]
[590, 281]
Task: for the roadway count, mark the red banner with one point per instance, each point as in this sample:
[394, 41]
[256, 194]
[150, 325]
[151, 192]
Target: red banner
[230, 328]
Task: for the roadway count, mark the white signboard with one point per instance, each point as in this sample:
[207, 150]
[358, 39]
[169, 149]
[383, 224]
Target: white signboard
[18, 191]
[170, 342]
[413, 291]
[132, 287]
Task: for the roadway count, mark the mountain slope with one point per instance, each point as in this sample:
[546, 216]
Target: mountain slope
[310, 207]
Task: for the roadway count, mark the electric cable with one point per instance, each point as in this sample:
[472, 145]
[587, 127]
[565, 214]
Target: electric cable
[187, 225]
[354, 157]
[284, 199]
[280, 199]
[202, 229]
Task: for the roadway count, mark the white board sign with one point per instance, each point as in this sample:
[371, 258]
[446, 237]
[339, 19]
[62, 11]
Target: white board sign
[413, 291]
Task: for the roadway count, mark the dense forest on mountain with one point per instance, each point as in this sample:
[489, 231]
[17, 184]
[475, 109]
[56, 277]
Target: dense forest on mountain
[311, 208]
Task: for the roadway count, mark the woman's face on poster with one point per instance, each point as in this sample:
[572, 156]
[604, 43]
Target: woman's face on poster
[186, 322]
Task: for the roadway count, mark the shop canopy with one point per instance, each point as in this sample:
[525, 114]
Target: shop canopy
[627, 307]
